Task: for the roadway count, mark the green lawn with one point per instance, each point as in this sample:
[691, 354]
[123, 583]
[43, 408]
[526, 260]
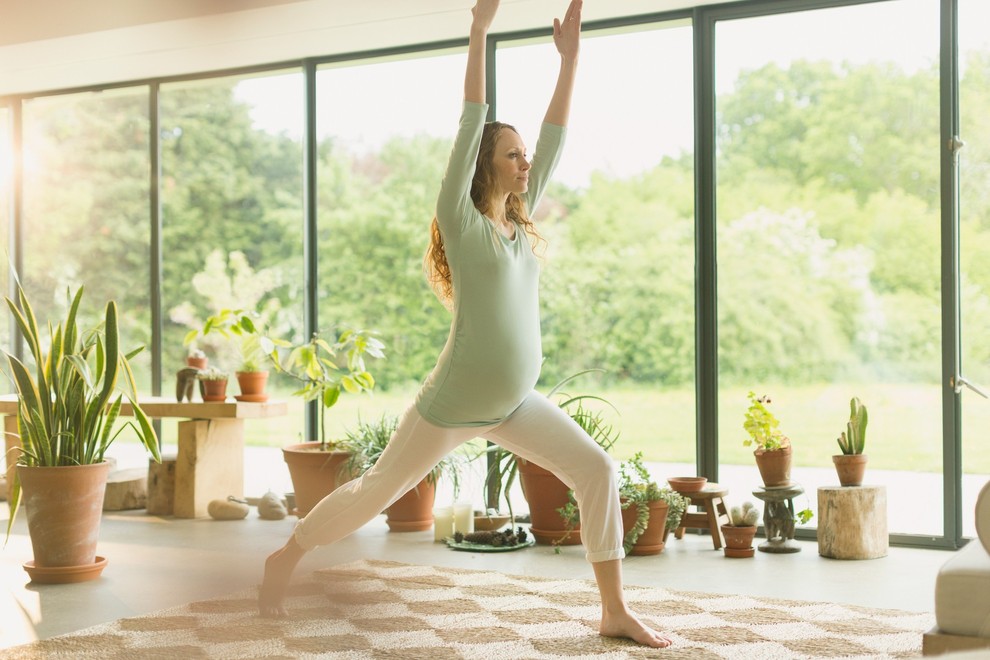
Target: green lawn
[904, 431]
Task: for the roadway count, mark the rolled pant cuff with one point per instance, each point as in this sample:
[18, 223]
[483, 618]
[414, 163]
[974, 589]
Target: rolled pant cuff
[605, 555]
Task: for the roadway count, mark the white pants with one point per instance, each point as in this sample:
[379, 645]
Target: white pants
[538, 431]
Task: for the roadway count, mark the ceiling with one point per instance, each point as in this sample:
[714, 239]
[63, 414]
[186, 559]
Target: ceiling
[64, 44]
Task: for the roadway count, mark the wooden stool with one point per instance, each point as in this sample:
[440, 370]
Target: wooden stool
[852, 522]
[711, 515]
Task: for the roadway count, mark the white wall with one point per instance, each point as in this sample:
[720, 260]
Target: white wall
[152, 43]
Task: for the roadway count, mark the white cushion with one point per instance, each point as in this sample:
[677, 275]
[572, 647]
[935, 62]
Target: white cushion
[962, 593]
[983, 516]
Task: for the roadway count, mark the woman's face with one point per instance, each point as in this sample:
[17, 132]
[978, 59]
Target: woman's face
[510, 164]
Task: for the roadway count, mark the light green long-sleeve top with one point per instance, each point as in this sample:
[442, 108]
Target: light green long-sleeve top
[492, 357]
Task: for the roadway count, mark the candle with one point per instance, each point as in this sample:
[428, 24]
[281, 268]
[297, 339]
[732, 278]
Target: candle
[463, 517]
[443, 523]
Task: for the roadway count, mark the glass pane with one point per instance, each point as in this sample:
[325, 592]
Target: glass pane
[383, 146]
[6, 180]
[828, 244]
[974, 96]
[86, 214]
[232, 222]
[617, 287]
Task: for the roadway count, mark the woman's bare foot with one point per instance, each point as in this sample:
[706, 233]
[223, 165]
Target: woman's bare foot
[626, 625]
[278, 571]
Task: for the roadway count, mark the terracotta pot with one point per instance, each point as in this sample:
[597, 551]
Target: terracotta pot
[739, 540]
[545, 493]
[252, 384]
[198, 363]
[413, 512]
[850, 468]
[315, 473]
[213, 390]
[64, 506]
[775, 466]
[653, 538]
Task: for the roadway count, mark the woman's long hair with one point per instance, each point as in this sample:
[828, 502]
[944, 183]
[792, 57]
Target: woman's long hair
[483, 190]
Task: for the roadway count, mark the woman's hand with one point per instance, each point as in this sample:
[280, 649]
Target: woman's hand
[483, 14]
[567, 32]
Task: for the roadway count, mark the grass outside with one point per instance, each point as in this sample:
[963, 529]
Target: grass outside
[905, 429]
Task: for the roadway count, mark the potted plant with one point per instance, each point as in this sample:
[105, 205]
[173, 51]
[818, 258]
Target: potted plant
[67, 411]
[649, 512]
[413, 511]
[850, 465]
[196, 359]
[212, 384]
[325, 371]
[545, 493]
[255, 349]
[773, 448]
[740, 531]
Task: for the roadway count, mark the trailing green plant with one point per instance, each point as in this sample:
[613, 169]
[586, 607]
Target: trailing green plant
[368, 441]
[503, 465]
[744, 515]
[241, 326]
[327, 370]
[853, 439]
[638, 488]
[67, 410]
[762, 425]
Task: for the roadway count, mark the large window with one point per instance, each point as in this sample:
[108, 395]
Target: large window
[828, 243]
[385, 129]
[232, 218]
[618, 279]
[86, 209]
[974, 202]
[6, 182]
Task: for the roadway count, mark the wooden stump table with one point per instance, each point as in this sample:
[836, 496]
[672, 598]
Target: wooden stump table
[852, 522]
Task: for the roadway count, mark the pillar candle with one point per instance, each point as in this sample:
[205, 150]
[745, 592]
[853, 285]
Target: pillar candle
[443, 523]
[463, 517]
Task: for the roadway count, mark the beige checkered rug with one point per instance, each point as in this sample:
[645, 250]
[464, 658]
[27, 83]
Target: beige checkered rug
[380, 609]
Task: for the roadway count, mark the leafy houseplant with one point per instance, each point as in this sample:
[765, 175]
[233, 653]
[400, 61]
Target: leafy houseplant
[740, 531]
[656, 510]
[67, 411]
[544, 492]
[414, 510]
[254, 347]
[773, 448]
[850, 465]
[325, 371]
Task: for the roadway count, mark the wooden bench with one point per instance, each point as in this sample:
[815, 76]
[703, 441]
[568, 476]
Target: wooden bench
[210, 459]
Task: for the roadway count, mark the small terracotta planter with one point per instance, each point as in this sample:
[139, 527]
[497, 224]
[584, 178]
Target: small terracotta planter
[775, 466]
[739, 540]
[654, 537]
[252, 385]
[850, 468]
[197, 362]
[213, 390]
[413, 512]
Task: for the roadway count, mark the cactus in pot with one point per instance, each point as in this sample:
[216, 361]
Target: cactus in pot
[850, 465]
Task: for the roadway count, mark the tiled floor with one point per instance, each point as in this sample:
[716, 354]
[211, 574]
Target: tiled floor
[158, 562]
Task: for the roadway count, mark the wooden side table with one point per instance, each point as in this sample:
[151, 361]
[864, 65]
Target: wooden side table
[711, 514]
[852, 522]
[210, 461]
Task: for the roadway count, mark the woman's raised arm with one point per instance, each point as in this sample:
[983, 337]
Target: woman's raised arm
[482, 14]
[567, 39]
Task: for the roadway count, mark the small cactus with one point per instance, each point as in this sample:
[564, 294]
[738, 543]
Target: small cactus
[853, 439]
[745, 515]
